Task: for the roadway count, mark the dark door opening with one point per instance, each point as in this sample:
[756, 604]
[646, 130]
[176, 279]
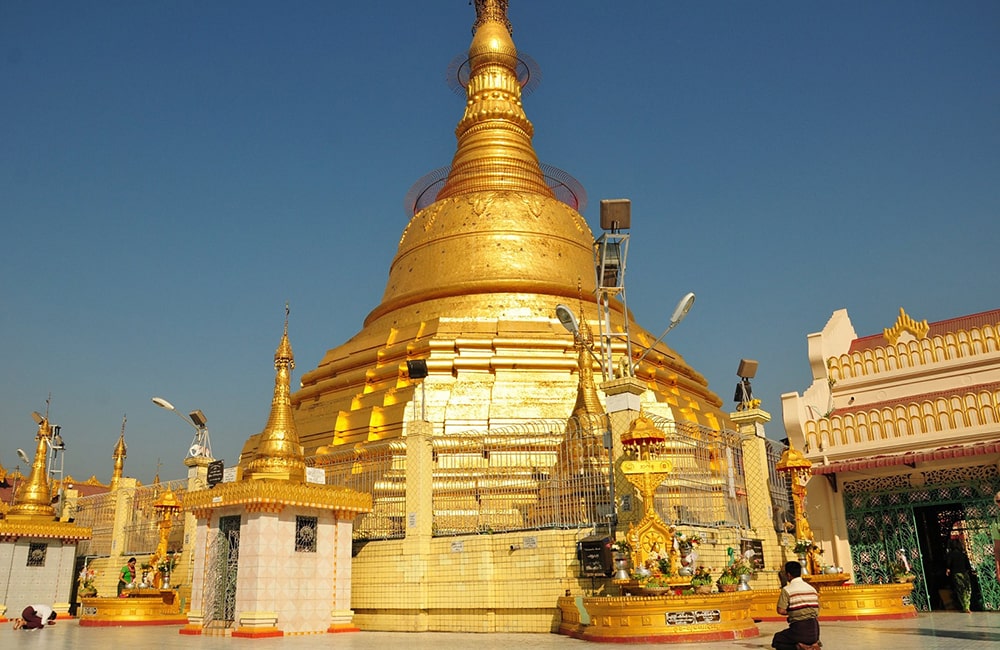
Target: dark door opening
[934, 526]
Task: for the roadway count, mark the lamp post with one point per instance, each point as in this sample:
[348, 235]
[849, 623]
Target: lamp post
[201, 447]
[58, 448]
[680, 311]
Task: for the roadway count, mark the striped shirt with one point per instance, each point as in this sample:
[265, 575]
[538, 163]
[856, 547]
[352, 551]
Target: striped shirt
[799, 599]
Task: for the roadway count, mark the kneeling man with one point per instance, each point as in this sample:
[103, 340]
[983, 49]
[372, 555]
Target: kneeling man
[800, 603]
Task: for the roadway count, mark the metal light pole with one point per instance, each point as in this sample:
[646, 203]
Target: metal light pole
[201, 447]
[58, 448]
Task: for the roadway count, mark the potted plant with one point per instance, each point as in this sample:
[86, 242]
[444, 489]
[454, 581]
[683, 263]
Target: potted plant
[87, 588]
[901, 572]
[164, 567]
[655, 585]
[733, 574]
[622, 551]
[701, 580]
[802, 547]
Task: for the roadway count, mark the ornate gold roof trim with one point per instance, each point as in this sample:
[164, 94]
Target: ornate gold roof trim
[12, 529]
[906, 324]
[262, 495]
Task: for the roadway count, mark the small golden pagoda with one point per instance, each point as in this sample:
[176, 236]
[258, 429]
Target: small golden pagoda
[289, 535]
[32, 519]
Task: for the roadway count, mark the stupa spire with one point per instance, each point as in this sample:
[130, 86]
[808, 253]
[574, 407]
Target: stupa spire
[494, 136]
[119, 458]
[587, 401]
[33, 498]
[279, 455]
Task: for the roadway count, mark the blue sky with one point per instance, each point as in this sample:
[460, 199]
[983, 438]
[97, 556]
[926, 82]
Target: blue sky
[172, 172]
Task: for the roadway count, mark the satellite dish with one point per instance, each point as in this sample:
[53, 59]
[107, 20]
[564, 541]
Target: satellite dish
[23, 456]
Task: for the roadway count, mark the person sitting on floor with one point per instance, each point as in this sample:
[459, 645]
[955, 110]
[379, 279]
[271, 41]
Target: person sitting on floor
[800, 603]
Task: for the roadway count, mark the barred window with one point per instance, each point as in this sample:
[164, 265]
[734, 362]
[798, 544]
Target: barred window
[36, 554]
[305, 534]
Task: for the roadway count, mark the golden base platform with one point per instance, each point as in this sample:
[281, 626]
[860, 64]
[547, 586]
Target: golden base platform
[658, 619]
[145, 607]
[840, 602]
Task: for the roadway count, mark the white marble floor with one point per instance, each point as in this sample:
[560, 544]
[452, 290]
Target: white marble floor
[937, 631]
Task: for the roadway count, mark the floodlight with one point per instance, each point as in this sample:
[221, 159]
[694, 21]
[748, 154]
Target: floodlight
[567, 318]
[416, 368]
[23, 456]
[198, 418]
[747, 369]
[164, 404]
[680, 311]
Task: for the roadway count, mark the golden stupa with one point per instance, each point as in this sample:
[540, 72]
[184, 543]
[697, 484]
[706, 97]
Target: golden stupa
[473, 289]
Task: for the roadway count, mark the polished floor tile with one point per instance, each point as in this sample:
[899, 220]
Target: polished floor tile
[937, 631]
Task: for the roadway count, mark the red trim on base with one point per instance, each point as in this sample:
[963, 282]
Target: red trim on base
[261, 633]
[728, 635]
[336, 629]
[190, 631]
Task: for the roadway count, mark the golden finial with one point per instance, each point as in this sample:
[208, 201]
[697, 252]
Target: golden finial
[279, 456]
[906, 324]
[119, 456]
[494, 136]
[495, 10]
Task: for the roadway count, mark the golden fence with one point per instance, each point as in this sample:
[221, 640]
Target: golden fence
[140, 531]
[541, 474]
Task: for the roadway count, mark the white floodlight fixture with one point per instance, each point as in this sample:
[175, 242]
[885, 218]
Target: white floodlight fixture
[164, 404]
[572, 325]
[682, 309]
[680, 312]
[200, 446]
[568, 319]
[23, 456]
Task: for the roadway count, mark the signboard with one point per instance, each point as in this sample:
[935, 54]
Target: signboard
[595, 556]
[216, 469]
[316, 475]
[693, 617]
[757, 546]
[229, 475]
